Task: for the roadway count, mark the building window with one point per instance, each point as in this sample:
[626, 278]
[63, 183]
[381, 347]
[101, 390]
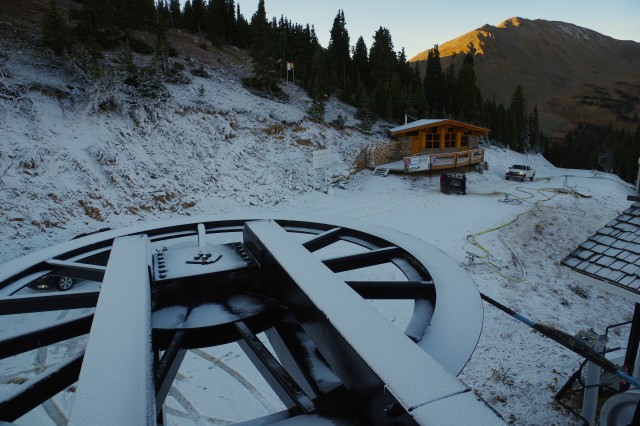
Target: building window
[449, 140]
[465, 140]
[432, 140]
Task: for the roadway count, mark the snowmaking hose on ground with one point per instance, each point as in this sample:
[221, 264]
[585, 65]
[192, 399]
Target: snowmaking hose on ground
[570, 342]
[472, 237]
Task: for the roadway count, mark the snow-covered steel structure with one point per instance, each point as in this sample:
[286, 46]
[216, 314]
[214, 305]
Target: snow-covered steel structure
[174, 286]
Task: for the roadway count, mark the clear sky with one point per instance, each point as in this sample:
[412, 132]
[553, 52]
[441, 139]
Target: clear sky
[417, 25]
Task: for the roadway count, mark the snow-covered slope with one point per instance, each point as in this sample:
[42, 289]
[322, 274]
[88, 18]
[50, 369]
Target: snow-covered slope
[63, 172]
[61, 167]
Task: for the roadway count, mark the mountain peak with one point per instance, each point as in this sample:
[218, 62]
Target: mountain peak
[511, 22]
[572, 73]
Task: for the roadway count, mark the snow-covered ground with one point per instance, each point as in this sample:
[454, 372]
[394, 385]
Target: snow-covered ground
[65, 172]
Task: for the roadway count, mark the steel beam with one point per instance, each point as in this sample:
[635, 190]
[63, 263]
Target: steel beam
[394, 290]
[167, 369]
[322, 240]
[361, 260]
[388, 373]
[48, 302]
[285, 338]
[116, 380]
[53, 333]
[78, 270]
[280, 381]
[40, 388]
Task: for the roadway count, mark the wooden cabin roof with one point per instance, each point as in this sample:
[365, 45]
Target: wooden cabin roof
[431, 122]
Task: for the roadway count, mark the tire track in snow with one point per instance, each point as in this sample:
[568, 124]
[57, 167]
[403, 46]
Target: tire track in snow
[191, 412]
[254, 391]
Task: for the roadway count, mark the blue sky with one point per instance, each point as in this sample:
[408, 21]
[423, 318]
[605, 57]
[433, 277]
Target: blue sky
[418, 25]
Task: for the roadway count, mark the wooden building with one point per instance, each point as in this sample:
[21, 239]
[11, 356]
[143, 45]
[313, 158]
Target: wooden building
[434, 136]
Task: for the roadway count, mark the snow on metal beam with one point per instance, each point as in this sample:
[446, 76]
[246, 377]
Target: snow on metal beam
[116, 380]
[202, 236]
[274, 373]
[19, 401]
[76, 265]
[355, 339]
[49, 333]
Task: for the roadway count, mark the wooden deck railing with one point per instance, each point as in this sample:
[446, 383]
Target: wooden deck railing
[449, 160]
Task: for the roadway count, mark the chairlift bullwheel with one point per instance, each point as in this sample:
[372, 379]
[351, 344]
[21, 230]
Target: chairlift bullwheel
[307, 285]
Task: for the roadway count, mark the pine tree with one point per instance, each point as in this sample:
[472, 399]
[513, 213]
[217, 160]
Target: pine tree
[262, 51]
[243, 31]
[450, 106]
[534, 130]
[466, 93]
[338, 50]
[382, 58]
[319, 76]
[382, 67]
[434, 84]
[163, 14]
[230, 23]
[364, 112]
[141, 14]
[188, 17]
[519, 121]
[360, 61]
[215, 20]
[199, 12]
[55, 34]
[175, 17]
[417, 102]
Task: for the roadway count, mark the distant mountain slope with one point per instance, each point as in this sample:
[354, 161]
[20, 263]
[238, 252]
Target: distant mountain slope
[572, 73]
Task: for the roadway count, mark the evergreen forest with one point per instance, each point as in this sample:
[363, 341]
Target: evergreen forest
[377, 79]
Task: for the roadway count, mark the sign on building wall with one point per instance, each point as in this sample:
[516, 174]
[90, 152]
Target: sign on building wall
[417, 163]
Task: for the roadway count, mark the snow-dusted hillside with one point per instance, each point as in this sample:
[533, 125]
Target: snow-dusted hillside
[213, 147]
[63, 172]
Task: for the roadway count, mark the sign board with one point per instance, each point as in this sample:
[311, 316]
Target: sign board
[320, 159]
[417, 163]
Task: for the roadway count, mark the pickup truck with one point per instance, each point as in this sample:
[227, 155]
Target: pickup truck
[520, 172]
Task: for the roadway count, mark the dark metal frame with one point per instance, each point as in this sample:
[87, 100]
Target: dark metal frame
[292, 379]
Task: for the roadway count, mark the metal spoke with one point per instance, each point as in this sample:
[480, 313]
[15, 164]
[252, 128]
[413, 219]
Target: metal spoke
[361, 260]
[45, 336]
[78, 270]
[40, 388]
[167, 369]
[322, 240]
[48, 302]
[280, 381]
[394, 290]
[285, 338]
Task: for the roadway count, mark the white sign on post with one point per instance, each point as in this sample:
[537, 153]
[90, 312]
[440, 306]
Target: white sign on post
[320, 159]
